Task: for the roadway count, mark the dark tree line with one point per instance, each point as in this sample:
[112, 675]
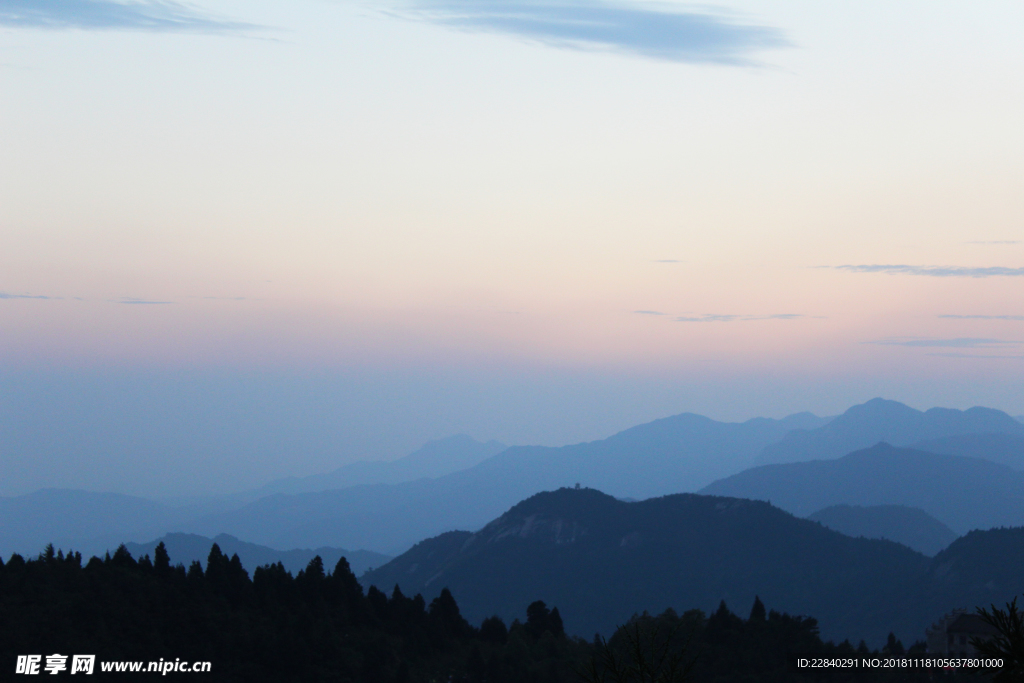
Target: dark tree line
[319, 625]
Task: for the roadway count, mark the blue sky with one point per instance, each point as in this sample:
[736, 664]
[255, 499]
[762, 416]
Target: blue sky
[539, 222]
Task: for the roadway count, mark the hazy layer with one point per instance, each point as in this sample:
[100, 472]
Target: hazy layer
[250, 240]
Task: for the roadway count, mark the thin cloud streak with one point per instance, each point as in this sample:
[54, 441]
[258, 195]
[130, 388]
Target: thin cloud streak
[726, 318]
[649, 312]
[649, 30]
[143, 302]
[934, 271]
[98, 15]
[975, 355]
[953, 343]
[5, 295]
[995, 242]
[983, 317]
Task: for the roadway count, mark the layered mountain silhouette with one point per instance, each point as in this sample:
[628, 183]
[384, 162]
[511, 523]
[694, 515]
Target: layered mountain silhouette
[600, 560]
[1005, 449]
[889, 421]
[89, 522]
[912, 527]
[962, 493]
[185, 549]
[674, 454]
[434, 459]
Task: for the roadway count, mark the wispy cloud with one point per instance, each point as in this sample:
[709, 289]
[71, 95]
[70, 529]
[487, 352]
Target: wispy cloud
[988, 356]
[727, 318]
[667, 260]
[658, 31]
[983, 317]
[952, 343]
[649, 312]
[141, 15]
[934, 271]
[996, 242]
[5, 295]
[144, 302]
[220, 298]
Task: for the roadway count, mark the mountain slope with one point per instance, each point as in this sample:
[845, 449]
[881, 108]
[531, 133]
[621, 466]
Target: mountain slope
[912, 527]
[665, 456]
[433, 459]
[89, 522]
[186, 548]
[889, 421]
[678, 453]
[1005, 449]
[600, 560]
[962, 493]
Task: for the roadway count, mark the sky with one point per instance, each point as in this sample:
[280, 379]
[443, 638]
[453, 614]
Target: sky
[247, 240]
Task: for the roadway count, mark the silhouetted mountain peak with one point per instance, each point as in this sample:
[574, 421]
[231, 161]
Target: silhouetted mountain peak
[438, 451]
[601, 559]
[880, 450]
[881, 408]
[962, 492]
[563, 500]
[884, 420]
[552, 516]
[911, 526]
[435, 458]
[1005, 449]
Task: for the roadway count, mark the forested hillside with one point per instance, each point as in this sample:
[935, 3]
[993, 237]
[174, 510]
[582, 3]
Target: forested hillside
[320, 626]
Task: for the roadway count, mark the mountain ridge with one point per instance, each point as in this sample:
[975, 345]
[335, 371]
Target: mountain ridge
[963, 493]
[434, 459]
[913, 527]
[600, 560]
[656, 458]
[1005, 449]
[187, 548]
[883, 420]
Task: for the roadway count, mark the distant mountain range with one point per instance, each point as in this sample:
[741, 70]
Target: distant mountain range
[1005, 449]
[913, 527]
[676, 454]
[89, 522]
[665, 456]
[889, 421]
[434, 459]
[963, 493]
[187, 548]
[601, 560]
[94, 523]
[401, 502]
